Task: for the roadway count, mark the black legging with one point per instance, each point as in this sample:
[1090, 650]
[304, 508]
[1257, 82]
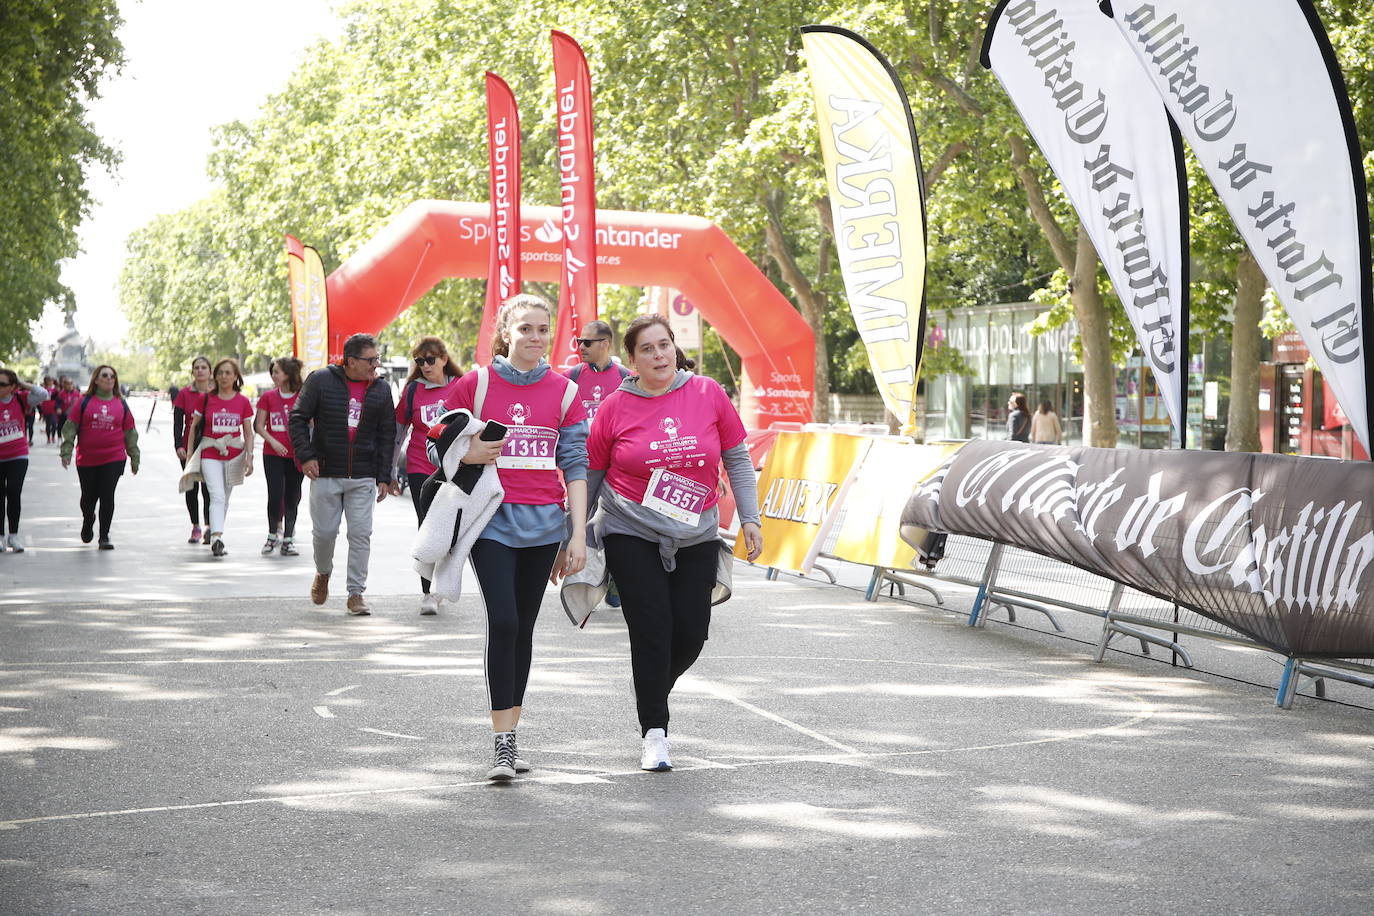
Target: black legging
[415, 482]
[191, 501]
[668, 614]
[98, 484]
[11, 486]
[283, 492]
[513, 580]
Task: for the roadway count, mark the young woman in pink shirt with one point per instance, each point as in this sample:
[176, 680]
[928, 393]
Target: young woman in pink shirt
[187, 402]
[101, 427]
[518, 551]
[654, 457]
[224, 415]
[428, 393]
[18, 399]
[279, 466]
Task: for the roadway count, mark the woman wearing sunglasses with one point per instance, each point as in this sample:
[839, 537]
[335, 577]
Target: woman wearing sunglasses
[428, 395]
[101, 427]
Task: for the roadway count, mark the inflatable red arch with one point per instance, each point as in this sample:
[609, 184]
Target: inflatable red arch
[432, 240]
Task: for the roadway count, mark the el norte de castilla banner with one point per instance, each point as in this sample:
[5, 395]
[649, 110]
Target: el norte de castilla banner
[873, 172]
[1119, 158]
[309, 304]
[1256, 90]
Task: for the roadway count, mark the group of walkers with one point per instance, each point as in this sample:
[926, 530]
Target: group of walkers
[621, 458]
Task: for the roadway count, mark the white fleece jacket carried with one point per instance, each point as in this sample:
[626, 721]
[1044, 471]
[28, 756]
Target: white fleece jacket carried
[438, 557]
[191, 476]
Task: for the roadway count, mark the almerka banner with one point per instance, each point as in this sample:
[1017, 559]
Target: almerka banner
[873, 172]
[503, 156]
[577, 198]
[1276, 547]
[1256, 90]
[1119, 159]
[309, 305]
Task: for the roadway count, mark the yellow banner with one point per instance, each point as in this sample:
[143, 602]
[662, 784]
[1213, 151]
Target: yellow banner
[873, 172]
[309, 304]
[871, 517]
[801, 486]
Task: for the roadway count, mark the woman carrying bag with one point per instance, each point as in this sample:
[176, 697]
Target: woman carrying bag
[225, 453]
[101, 427]
[654, 457]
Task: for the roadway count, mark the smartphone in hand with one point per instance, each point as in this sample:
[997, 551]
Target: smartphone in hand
[493, 432]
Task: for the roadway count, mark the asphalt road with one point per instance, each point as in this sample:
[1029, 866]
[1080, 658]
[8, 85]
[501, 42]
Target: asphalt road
[180, 735]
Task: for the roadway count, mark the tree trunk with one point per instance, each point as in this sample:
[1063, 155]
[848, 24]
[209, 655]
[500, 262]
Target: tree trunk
[1242, 416]
[1099, 375]
[808, 300]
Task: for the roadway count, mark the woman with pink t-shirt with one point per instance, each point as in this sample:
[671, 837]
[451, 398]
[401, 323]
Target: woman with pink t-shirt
[225, 416]
[428, 393]
[17, 399]
[517, 553]
[101, 427]
[279, 466]
[184, 406]
[654, 457]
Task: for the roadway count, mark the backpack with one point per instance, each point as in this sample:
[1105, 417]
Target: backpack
[484, 379]
[577, 370]
[81, 411]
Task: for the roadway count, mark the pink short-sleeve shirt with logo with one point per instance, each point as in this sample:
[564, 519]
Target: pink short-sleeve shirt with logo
[278, 406]
[595, 387]
[14, 437]
[100, 434]
[680, 433]
[429, 405]
[226, 416]
[357, 394]
[528, 462]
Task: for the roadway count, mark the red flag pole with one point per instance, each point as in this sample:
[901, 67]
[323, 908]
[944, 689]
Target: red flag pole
[577, 198]
[503, 237]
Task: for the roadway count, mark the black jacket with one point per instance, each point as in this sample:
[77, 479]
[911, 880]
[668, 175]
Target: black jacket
[324, 399]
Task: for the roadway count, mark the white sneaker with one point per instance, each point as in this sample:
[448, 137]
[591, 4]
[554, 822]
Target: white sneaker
[654, 757]
[15, 544]
[429, 605]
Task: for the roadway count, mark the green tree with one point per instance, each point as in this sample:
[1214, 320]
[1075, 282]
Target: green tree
[53, 56]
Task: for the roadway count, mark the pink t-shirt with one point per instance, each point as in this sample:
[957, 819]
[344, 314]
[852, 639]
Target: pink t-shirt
[594, 387]
[357, 393]
[189, 401]
[49, 407]
[14, 436]
[278, 407]
[528, 463]
[682, 432]
[226, 419]
[69, 400]
[430, 404]
[100, 434]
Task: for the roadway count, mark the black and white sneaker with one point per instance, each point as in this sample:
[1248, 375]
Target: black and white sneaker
[503, 766]
[521, 764]
[271, 545]
[217, 547]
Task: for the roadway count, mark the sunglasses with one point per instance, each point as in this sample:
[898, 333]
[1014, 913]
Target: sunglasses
[6, 384]
[588, 341]
[370, 360]
[104, 375]
[426, 360]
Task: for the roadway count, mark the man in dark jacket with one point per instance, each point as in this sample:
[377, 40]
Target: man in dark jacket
[347, 456]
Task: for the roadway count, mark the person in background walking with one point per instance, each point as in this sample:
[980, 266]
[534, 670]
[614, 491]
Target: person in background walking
[18, 400]
[52, 428]
[598, 374]
[1045, 428]
[225, 414]
[654, 457]
[187, 401]
[1018, 418]
[347, 455]
[427, 395]
[101, 427]
[279, 466]
[517, 553]
[67, 397]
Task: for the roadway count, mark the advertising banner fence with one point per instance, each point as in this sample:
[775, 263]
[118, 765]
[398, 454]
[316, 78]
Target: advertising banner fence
[877, 197]
[1118, 157]
[503, 154]
[577, 193]
[309, 305]
[1256, 89]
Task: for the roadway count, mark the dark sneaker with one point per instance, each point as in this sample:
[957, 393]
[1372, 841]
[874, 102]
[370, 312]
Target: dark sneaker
[105, 544]
[87, 530]
[195, 535]
[217, 547]
[205, 538]
[503, 766]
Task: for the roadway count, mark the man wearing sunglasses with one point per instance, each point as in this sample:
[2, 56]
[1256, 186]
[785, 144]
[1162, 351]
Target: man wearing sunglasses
[347, 455]
[598, 374]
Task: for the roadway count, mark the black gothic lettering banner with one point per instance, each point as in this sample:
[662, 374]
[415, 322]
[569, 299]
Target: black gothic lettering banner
[1256, 89]
[1275, 547]
[1119, 158]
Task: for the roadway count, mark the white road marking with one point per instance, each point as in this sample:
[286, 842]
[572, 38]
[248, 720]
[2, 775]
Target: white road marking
[378, 731]
[324, 713]
[334, 693]
[720, 692]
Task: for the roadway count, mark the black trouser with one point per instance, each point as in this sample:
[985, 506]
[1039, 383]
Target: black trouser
[415, 482]
[98, 484]
[191, 501]
[283, 493]
[668, 614]
[513, 581]
[11, 486]
[28, 422]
